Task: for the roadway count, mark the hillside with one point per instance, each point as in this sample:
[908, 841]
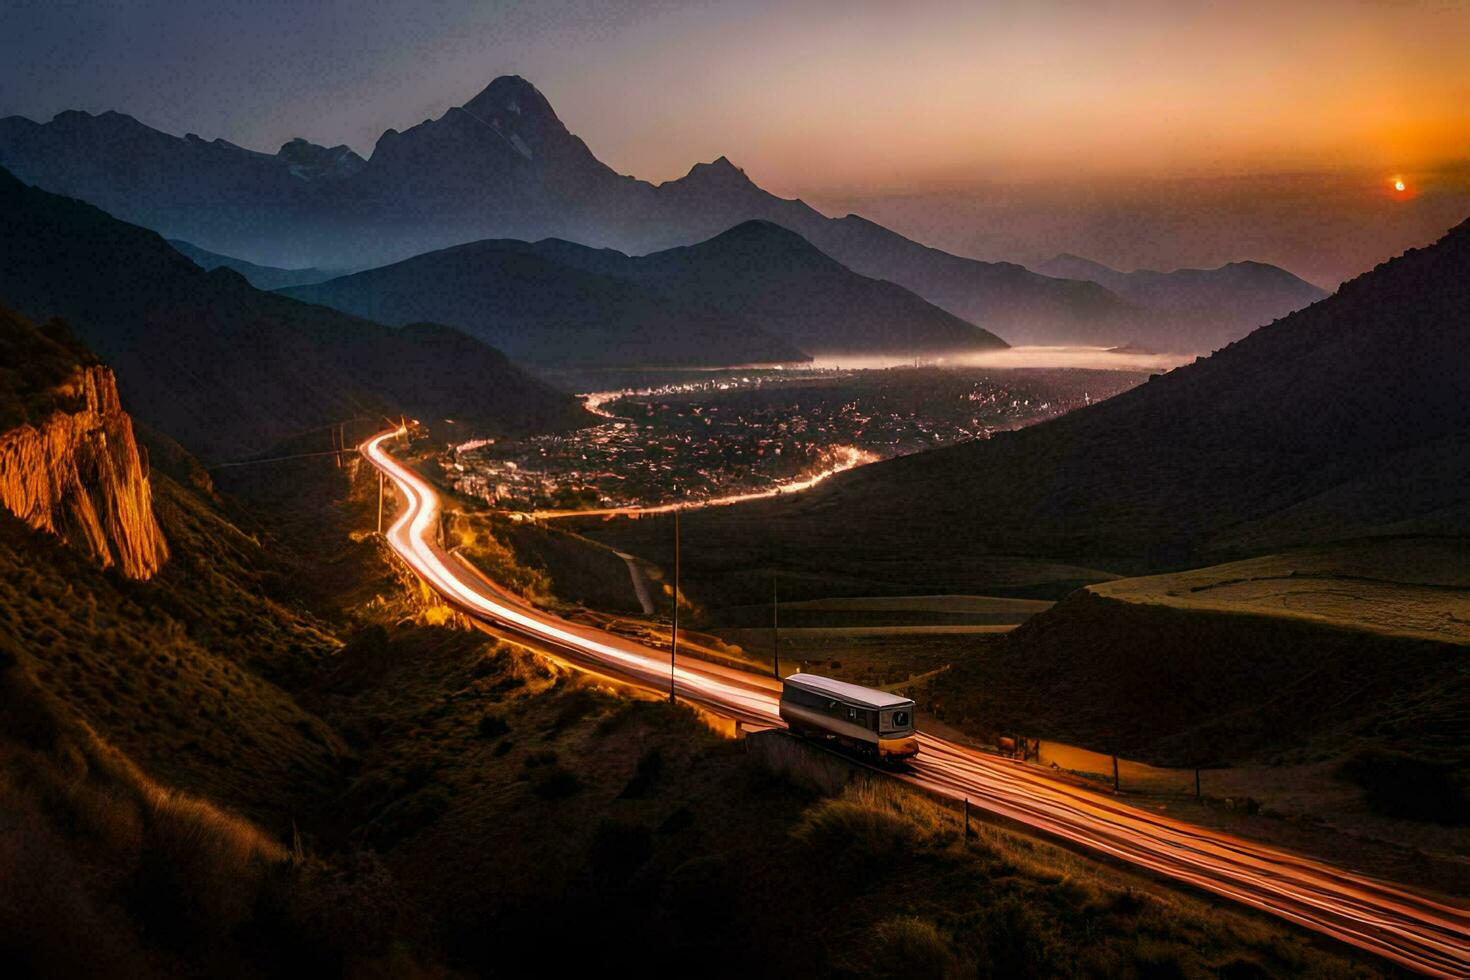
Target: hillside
[204, 776]
[782, 282]
[1345, 419]
[756, 293]
[1196, 310]
[259, 276]
[1326, 649]
[227, 369]
[502, 165]
[524, 301]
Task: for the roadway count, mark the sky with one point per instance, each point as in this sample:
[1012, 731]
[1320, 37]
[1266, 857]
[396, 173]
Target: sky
[809, 97]
[839, 102]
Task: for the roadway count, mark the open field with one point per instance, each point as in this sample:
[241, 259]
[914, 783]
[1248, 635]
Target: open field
[876, 613]
[1398, 586]
[884, 658]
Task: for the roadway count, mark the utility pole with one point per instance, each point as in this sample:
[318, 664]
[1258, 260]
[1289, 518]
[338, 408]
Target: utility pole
[674, 644]
[380, 501]
[775, 629]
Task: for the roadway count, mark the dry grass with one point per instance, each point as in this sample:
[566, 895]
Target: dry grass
[873, 819]
[105, 871]
[1002, 904]
[96, 831]
[915, 947]
[175, 672]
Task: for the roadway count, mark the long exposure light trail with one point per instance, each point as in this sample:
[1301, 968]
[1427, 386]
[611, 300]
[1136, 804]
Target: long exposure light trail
[1426, 934]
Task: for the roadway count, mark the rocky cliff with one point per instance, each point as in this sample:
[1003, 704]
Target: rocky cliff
[77, 473]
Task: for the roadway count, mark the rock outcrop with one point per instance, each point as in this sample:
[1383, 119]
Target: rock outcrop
[78, 474]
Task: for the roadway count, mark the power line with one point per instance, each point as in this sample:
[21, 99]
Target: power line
[277, 459]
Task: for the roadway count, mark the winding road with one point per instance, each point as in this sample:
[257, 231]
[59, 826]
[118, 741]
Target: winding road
[1423, 933]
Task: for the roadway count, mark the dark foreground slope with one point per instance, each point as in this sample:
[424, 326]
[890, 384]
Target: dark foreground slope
[756, 293]
[227, 369]
[1346, 418]
[271, 752]
[200, 776]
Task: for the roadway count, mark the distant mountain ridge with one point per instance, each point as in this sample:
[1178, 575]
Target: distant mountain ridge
[259, 276]
[229, 370]
[1196, 309]
[757, 293]
[540, 310]
[502, 165]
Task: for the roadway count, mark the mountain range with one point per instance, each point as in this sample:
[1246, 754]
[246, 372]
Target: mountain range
[228, 369]
[1345, 419]
[500, 166]
[756, 293]
[1196, 309]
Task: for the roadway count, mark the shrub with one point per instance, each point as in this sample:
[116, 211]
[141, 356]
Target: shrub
[645, 776]
[1402, 785]
[201, 869]
[618, 850]
[554, 782]
[911, 947]
[576, 705]
[349, 908]
[874, 820]
[492, 726]
[50, 922]
[1015, 941]
[702, 888]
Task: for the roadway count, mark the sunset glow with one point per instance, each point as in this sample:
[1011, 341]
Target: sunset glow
[814, 100]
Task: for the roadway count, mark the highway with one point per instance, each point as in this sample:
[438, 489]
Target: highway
[1422, 933]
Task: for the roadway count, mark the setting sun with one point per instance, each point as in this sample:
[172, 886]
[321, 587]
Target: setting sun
[1398, 185]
